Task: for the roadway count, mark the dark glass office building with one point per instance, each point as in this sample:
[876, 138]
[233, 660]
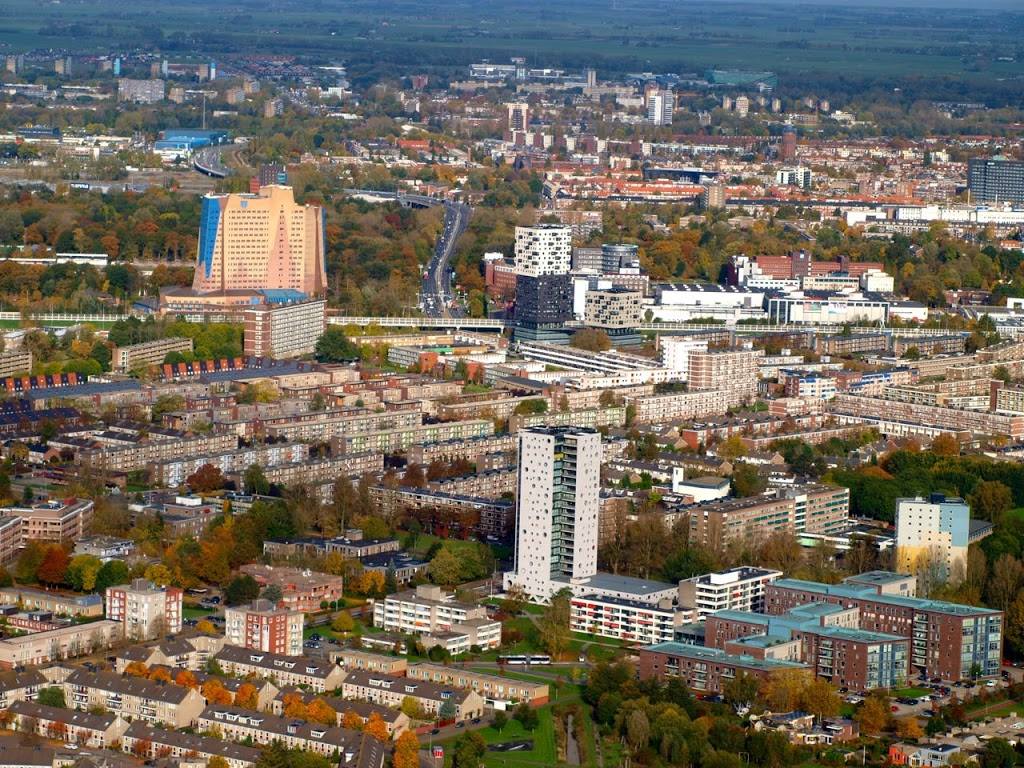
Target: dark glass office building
[995, 179]
[543, 306]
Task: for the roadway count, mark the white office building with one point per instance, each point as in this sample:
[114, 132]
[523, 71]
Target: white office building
[543, 249]
[737, 589]
[675, 352]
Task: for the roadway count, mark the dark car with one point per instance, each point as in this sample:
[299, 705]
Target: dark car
[435, 732]
[460, 725]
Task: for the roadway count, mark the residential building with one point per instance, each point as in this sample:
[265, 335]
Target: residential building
[15, 362]
[828, 639]
[392, 691]
[996, 180]
[189, 653]
[262, 626]
[57, 603]
[616, 309]
[258, 241]
[543, 301]
[54, 520]
[518, 117]
[432, 613]
[301, 589]
[660, 106]
[11, 539]
[492, 687]
[147, 742]
[140, 91]
[705, 670]
[396, 721]
[132, 356]
[106, 548]
[556, 518]
[543, 249]
[808, 508]
[236, 724]
[134, 698]
[149, 450]
[145, 610]
[630, 621]
[658, 409]
[283, 330]
[925, 755]
[947, 640]
[738, 589]
[57, 644]
[350, 658]
[284, 670]
[727, 370]
[933, 532]
[84, 729]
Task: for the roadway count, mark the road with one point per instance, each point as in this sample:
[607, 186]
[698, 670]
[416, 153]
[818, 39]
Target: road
[436, 291]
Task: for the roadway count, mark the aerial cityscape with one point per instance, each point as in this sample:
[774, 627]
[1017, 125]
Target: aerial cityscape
[472, 385]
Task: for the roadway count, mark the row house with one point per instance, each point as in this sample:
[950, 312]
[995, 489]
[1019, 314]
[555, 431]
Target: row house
[397, 722]
[492, 687]
[353, 747]
[391, 691]
[57, 644]
[189, 653]
[134, 698]
[282, 670]
[149, 743]
[70, 726]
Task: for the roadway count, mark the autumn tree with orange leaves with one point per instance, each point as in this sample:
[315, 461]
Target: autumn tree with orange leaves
[137, 669]
[247, 696]
[407, 751]
[214, 692]
[320, 711]
[376, 727]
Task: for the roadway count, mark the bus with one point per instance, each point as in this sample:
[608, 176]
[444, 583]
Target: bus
[524, 660]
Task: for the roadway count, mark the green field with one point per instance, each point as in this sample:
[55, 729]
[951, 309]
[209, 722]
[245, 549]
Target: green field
[1004, 710]
[543, 752]
[194, 612]
[910, 692]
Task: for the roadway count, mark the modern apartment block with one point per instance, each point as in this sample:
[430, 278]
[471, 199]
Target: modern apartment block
[828, 640]
[285, 329]
[996, 179]
[948, 640]
[613, 310]
[262, 626]
[737, 589]
[259, 241]
[132, 356]
[556, 519]
[631, 621]
[933, 532]
[403, 438]
[654, 409]
[52, 520]
[675, 352]
[57, 644]
[809, 508]
[705, 670]
[429, 611]
[145, 610]
[730, 370]
[301, 589]
[543, 249]
[141, 91]
[897, 418]
[149, 450]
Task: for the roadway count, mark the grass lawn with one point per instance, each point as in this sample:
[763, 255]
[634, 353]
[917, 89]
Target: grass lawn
[911, 693]
[194, 612]
[847, 710]
[1004, 710]
[543, 752]
[1018, 512]
[425, 541]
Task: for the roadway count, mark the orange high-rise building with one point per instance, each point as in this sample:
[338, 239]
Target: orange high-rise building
[262, 240]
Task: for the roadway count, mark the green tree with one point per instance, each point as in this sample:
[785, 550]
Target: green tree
[468, 750]
[445, 568]
[998, 753]
[747, 481]
[255, 480]
[112, 573]
[990, 499]
[591, 340]
[273, 594]
[334, 346]
[241, 589]
[741, 691]
[527, 716]
[553, 626]
[83, 571]
[52, 697]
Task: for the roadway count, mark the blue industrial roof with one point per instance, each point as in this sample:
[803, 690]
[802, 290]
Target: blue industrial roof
[713, 654]
[281, 295]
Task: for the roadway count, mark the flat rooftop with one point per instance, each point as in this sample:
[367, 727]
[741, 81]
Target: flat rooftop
[613, 583]
[700, 653]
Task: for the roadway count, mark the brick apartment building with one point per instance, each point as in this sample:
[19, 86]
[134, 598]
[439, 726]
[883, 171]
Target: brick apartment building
[262, 626]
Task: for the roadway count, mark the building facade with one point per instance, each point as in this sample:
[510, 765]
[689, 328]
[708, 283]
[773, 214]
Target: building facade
[284, 330]
[262, 626]
[933, 532]
[145, 610]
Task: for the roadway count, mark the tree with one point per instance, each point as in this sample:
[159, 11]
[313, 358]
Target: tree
[241, 589]
[352, 721]
[747, 481]
[638, 729]
[741, 691]
[527, 716]
[186, 679]
[411, 708]
[136, 669]
[273, 593]
[343, 623]
[407, 750]
[553, 626]
[206, 479]
[468, 750]
[591, 340]
[319, 711]
[499, 721]
[248, 697]
[514, 601]
[731, 448]
[112, 573]
[908, 728]
[945, 444]
[873, 715]
[990, 499]
[378, 729]
[160, 675]
[216, 762]
[159, 574]
[214, 692]
[82, 572]
[1015, 624]
[205, 627]
[781, 690]
[446, 568]
[998, 753]
[31, 557]
[820, 698]
[293, 705]
[1005, 582]
[52, 697]
[334, 347]
[255, 480]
